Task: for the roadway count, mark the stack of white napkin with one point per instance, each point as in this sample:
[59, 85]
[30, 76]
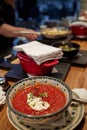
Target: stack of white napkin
[81, 92]
[40, 52]
[2, 96]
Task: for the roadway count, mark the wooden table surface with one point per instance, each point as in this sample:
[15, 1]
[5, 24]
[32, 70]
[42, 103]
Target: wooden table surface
[77, 77]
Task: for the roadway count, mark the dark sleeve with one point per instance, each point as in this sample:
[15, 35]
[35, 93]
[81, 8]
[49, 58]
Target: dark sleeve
[1, 13]
[1, 21]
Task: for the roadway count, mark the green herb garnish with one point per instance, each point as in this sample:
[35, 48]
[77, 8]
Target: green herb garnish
[44, 94]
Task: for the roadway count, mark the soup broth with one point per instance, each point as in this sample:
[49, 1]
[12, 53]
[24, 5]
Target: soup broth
[39, 99]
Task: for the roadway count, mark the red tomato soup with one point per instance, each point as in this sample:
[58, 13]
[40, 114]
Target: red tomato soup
[48, 98]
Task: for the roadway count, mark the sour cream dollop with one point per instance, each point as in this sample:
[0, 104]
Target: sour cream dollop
[36, 103]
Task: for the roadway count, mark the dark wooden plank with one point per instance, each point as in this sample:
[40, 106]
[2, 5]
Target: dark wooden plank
[62, 71]
[17, 73]
[6, 65]
[80, 60]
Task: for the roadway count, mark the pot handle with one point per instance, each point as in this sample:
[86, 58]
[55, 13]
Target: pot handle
[51, 63]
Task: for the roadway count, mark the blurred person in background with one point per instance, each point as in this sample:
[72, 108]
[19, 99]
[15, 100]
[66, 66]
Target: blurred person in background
[71, 8]
[7, 25]
[28, 9]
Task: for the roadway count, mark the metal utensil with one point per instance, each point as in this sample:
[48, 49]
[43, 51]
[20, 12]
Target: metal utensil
[63, 42]
[4, 84]
[27, 32]
[66, 41]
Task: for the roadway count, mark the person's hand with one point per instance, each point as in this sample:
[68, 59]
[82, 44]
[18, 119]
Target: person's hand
[32, 34]
[13, 32]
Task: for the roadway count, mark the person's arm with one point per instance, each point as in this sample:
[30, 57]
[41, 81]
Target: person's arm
[8, 31]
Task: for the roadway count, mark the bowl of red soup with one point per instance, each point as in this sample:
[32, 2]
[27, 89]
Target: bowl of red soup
[38, 100]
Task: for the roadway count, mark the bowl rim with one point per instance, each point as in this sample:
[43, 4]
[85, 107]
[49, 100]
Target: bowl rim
[70, 44]
[38, 116]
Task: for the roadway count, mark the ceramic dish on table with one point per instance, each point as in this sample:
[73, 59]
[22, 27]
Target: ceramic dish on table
[54, 33]
[69, 50]
[74, 115]
[47, 90]
[31, 67]
[79, 31]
